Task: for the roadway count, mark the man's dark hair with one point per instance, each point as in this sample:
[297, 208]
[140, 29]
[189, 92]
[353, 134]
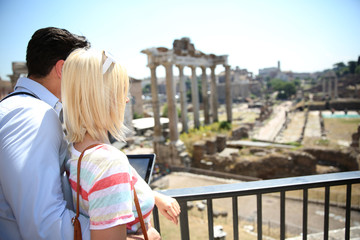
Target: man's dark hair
[49, 45]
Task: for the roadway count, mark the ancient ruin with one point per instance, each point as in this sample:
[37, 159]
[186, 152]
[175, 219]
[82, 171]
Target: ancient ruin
[330, 81]
[183, 55]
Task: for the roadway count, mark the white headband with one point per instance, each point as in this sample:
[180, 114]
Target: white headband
[109, 60]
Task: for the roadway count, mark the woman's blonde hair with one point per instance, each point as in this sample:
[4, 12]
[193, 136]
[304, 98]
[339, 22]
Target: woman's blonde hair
[94, 102]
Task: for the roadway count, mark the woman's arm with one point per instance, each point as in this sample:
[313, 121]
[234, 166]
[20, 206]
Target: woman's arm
[117, 232]
[167, 206]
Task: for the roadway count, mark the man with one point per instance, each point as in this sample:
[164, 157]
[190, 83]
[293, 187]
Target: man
[32, 145]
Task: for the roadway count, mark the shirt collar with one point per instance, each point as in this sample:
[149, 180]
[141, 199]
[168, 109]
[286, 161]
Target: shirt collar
[39, 90]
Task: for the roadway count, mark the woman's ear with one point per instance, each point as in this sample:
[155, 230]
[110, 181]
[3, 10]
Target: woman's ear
[58, 67]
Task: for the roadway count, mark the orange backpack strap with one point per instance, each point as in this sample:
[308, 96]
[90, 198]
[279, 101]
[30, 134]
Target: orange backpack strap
[75, 220]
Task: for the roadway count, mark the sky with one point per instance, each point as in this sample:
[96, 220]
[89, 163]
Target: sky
[304, 35]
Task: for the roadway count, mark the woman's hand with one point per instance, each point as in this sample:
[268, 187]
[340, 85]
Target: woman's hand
[167, 206]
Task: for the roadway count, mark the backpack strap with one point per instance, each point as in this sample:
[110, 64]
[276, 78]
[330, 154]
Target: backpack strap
[75, 220]
[19, 93]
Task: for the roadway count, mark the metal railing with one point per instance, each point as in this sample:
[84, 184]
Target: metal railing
[258, 189]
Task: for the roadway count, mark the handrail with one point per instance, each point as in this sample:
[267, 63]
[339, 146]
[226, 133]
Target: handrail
[258, 188]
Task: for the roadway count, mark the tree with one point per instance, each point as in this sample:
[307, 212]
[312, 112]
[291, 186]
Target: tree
[147, 89]
[357, 70]
[339, 65]
[297, 82]
[285, 89]
[352, 66]
[340, 69]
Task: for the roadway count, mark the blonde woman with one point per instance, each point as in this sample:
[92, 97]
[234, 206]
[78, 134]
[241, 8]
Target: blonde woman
[94, 93]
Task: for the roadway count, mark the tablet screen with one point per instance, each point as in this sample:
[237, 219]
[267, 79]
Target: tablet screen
[143, 164]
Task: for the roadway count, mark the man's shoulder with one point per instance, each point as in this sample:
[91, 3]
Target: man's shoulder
[23, 103]
[25, 109]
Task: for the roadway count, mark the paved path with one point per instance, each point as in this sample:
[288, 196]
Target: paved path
[272, 127]
[293, 131]
[313, 128]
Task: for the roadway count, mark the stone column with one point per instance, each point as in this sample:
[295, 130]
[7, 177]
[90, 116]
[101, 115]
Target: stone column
[323, 87]
[329, 87]
[204, 93]
[195, 97]
[336, 87]
[173, 157]
[158, 137]
[183, 102]
[228, 93]
[214, 95]
[170, 94]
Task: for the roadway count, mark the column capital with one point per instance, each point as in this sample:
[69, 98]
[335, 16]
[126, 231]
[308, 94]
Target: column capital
[192, 67]
[203, 68]
[226, 67]
[152, 65]
[167, 64]
[213, 67]
[181, 67]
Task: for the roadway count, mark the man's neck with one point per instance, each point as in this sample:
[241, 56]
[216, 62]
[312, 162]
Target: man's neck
[48, 82]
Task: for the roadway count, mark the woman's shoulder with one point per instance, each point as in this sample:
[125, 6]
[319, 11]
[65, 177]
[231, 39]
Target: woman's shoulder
[108, 152]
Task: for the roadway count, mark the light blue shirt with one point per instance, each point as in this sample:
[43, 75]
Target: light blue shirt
[32, 151]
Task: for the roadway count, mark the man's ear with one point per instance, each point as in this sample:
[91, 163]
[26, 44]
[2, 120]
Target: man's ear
[58, 67]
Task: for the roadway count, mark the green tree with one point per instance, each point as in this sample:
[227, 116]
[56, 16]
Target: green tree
[297, 82]
[339, 65]
[340, 69]
[285, 89]
[147, 89]
[352, 66]
[357, 70]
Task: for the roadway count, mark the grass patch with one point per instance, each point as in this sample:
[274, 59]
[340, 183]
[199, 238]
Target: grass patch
[340, 130]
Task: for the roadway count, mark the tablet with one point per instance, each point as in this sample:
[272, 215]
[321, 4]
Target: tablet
[143, 164]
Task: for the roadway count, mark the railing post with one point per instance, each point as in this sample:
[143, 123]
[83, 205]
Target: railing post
[259, 216]
[282, 215]
[184, 222]
[305, 213]
[326, 212]
[210, 218]
[348, 211]
[235, 218]
[156, 219]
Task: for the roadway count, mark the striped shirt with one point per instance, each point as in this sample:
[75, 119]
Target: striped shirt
[106, 193]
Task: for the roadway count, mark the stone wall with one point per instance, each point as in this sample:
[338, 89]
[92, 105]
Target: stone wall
[345, 160]
[270, 163]
[349, 104]
[274, 165]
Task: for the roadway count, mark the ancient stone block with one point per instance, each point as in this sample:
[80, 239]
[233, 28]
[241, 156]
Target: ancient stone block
[211, 147]
[220, 142]
[198, 152]
[240, 132]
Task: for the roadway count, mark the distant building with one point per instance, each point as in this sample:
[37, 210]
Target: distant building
[275, 72]
[136, 96]
[19, 70]
[5, 88]
[242, 84]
